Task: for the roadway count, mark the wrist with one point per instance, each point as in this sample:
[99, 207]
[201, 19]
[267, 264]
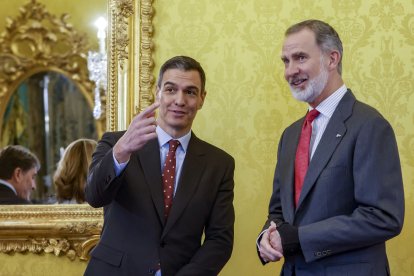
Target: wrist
[289, 235]
[120, 154]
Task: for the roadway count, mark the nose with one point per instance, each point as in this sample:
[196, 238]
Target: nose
[180, 98]
[291, 69]
[33, 185]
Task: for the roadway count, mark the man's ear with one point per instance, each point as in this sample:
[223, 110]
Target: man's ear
[17, 174]
[334, 58]
[203, 96]
[157, 94]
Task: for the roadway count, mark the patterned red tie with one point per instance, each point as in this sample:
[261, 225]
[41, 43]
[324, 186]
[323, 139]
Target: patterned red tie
[168, 176]
[302, 153]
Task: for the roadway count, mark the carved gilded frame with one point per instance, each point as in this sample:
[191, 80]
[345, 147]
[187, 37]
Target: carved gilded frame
[73, 230]
[38, 41]
[130, 61]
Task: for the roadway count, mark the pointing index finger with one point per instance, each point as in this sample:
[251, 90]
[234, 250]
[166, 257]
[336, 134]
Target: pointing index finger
[150, 110]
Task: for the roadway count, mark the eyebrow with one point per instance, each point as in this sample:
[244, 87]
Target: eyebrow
[295, 55]
[169, 83]
[186, 87]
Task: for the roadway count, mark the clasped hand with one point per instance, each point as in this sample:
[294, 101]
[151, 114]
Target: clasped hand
[271, 245]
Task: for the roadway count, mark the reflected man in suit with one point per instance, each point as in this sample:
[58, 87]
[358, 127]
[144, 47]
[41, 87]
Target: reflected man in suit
[18, 170]
[138, 238]
[351, 200]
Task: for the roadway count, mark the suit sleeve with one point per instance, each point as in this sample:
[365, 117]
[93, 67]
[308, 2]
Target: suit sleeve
[378, 198]
[219, 231]
[102, 184]
[275, 207]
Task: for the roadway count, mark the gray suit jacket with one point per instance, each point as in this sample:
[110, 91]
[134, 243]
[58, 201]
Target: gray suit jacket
[135, 239]
[352, 199]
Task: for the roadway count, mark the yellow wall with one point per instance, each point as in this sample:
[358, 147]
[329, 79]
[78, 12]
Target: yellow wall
[248, 103]
[39, 265]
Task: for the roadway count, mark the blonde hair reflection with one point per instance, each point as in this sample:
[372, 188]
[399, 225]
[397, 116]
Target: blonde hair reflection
[70, 176]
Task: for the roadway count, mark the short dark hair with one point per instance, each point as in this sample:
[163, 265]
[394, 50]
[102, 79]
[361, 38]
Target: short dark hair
[183, 63]
[12, 157]
[326, 36]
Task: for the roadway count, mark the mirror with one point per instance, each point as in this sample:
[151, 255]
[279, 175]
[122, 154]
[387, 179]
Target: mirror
[72, 230]
[46, 113]
[46, 95]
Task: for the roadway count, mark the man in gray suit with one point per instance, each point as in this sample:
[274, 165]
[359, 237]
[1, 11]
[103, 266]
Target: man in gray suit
[331, 212]
[143, 234]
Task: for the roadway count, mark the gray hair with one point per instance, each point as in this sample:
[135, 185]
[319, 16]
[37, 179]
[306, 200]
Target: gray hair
[326, 36]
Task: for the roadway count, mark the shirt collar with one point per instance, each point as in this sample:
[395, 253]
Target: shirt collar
[164, 137]
[328, 106]
[5, 183]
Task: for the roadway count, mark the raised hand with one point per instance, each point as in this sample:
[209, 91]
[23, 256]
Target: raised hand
[139, 132]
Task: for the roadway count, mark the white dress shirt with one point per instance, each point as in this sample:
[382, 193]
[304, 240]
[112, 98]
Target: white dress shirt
[326, 109]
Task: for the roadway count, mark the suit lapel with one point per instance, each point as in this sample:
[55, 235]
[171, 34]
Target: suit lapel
[193, 166]
[334, 133]
[149, 157]
[289, 169]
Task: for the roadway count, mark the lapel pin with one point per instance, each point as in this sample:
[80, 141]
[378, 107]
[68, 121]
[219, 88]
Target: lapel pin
[338, 135]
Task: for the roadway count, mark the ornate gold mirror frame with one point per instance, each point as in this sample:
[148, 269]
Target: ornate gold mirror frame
[38, 41]
[73, 230]
[129, 60]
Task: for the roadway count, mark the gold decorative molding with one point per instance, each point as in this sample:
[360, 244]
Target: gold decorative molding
[146, 78]
[63, 230]
[130, 60]
[37, 41]
[29, 46]
[121, 10]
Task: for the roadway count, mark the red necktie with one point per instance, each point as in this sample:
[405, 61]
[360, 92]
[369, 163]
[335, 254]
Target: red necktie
[302, 153]
[168, 176]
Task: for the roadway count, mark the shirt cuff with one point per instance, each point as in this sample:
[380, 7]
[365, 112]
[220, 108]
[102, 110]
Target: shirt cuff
[119, 167]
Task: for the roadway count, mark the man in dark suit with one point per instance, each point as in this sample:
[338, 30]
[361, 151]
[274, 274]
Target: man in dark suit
[142, 233]
[18, 170]
[337, 196]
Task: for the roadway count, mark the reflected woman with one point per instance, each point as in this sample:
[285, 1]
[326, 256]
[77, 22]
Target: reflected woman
[70, 177]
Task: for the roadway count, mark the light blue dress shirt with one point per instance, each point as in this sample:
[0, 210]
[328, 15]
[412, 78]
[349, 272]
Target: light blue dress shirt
[163, 139]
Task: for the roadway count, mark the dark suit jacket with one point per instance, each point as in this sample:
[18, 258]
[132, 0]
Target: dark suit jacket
[352, 199]
[135, 237]
[7, 196]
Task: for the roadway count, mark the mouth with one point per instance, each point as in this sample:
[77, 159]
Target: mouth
[297, 82]
[178, 112]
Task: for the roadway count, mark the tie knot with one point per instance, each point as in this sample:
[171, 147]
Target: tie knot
[312, 115]
[173, 144]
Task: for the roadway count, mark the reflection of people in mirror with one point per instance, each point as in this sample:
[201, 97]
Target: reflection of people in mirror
[70, 176]
[167, 195]
[18, 169]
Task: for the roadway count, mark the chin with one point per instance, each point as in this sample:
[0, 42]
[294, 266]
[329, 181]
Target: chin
[304, 95]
